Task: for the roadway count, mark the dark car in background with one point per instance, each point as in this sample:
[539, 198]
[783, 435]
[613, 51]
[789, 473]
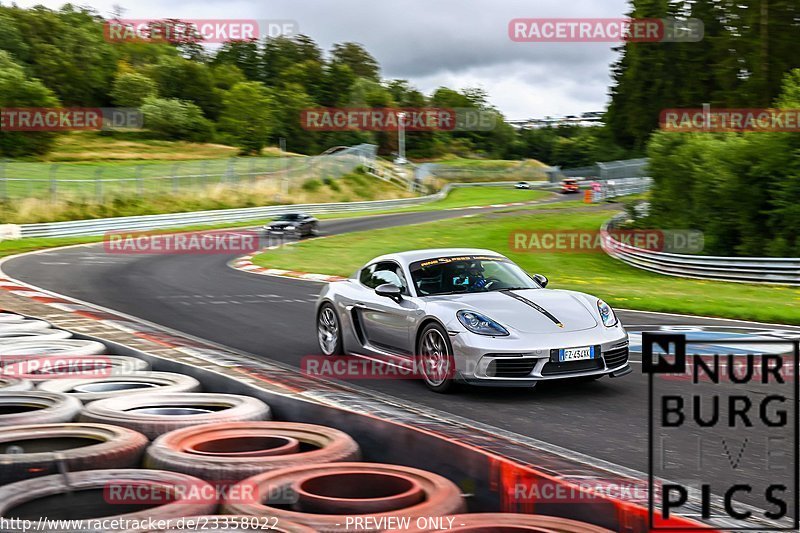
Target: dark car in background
[293, 224]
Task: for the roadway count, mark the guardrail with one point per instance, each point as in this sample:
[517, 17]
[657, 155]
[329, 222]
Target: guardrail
[778, 270]
[100, 226]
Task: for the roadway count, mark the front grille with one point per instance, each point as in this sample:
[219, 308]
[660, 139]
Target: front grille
[616, 357]
[550, 368]
[510, 368]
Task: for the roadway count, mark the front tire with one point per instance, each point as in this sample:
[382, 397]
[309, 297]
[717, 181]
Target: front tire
[435, 359]
[329, 330]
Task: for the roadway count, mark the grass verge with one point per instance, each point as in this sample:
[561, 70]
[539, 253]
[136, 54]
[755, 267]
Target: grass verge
[456, 198]
[596, 273]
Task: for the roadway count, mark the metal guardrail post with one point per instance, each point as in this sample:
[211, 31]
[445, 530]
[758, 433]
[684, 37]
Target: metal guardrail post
[175, 184]
[201, 178]
[139, 182]
[53, 182]
[3, 181]
[98, 185]
[230, 173]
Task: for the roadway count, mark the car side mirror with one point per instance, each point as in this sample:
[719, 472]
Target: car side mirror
[541, 280]
[389, 290]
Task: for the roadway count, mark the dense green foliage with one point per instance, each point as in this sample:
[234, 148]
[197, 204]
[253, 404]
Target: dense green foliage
[742, 190]
[248, 93]
[747, 48]
[19, 90]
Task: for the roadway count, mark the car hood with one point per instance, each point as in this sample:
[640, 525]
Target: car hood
[281, 224]
[527, 310]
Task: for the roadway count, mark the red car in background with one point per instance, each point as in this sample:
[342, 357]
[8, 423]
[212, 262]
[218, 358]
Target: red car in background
[570, 185]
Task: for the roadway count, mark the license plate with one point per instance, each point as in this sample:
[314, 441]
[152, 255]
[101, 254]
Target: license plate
[576, 354]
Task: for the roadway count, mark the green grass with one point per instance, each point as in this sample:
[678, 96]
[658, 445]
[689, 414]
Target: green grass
[493, 164]
[476, 170]
[471, 196]
[352, 183]
[595, 273]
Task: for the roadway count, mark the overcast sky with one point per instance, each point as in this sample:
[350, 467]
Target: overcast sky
[456, 43]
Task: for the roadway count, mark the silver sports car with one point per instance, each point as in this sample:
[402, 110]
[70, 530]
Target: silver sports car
[472, 316]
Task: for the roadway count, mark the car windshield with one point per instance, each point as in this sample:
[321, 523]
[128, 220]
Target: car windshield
[290, 216]
[454, 275]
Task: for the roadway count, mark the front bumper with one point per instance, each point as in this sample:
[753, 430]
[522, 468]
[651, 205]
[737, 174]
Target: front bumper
[480, 362]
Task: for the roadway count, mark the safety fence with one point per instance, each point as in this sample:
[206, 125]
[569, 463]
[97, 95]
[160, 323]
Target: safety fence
[100, 226]
[99, 181]
[778, 270]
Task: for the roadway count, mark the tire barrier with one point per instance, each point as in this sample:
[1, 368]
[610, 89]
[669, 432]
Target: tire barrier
[321, 496]
[60, 367]
[37, 407]
[52, 347]
[9, 384]
[233, 451]
[6, 318]
[43, 449]
[507, 522]
[228, 524]
[24, 324]
[91, 389]
[133, 494]
[12, 335]
[156, 414]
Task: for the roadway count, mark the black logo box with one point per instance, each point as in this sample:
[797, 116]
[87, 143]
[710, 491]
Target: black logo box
[677, 365]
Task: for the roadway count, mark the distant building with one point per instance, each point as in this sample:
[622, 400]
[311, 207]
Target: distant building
[587, 119]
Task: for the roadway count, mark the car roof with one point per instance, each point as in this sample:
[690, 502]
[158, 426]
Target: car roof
[411, 256]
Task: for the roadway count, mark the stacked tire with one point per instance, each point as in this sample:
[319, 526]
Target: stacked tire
[123, 441]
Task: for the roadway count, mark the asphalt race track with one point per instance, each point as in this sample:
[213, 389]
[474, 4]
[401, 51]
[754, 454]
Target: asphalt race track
[273, 318]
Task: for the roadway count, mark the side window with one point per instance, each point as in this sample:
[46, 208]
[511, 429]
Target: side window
[387, 273]
[365, 277]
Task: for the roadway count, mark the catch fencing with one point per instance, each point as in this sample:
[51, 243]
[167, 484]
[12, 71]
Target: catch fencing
[99, 181]
[101, 226]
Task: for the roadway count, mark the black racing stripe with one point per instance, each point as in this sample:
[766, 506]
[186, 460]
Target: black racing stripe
[536, 306]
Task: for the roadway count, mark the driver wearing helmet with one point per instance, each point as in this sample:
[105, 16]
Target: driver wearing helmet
[473, 277]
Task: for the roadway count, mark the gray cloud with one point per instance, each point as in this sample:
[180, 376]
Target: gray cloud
[456, 43]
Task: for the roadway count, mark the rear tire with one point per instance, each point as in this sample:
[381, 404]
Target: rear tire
[435, 359]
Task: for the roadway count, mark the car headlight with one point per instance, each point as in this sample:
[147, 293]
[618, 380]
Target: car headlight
[606, 314]
[480, 324]
[289, 228]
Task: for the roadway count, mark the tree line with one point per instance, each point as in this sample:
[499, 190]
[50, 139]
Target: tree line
[747, 48]
[740, 189]
[244, 93]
